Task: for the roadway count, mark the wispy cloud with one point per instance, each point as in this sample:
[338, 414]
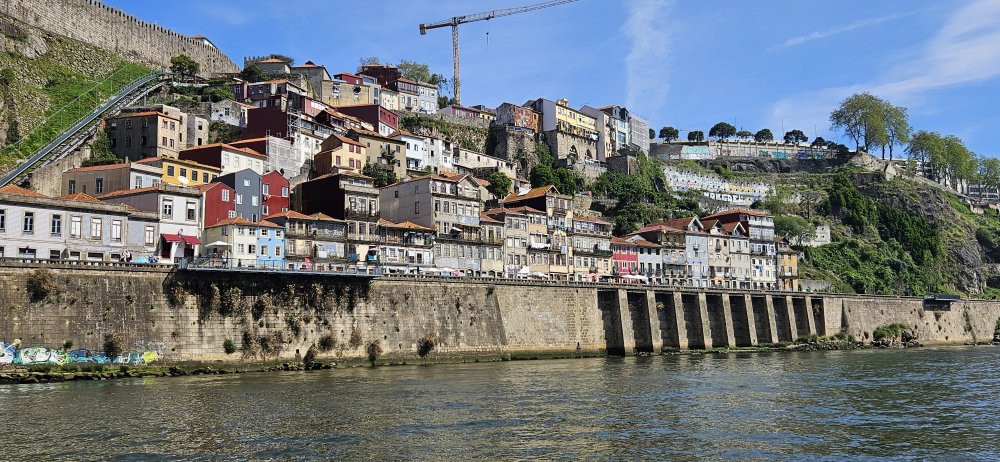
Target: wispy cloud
[647, 62]
[965, 50]
[795, 41]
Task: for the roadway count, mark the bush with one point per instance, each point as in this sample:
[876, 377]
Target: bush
[355, 340]
[67, 345]
[310, 357]
[114, 344]
[888, 332]
[327, 343]
[374, 350]
[232, 303]
[250, 345]
[228, 346]
[272, 344]
[425, 345]
[261, 306]
[41, 283]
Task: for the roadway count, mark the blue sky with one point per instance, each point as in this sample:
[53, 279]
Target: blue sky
[770, 64]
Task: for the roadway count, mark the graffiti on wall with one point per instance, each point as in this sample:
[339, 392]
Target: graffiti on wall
[12, 354]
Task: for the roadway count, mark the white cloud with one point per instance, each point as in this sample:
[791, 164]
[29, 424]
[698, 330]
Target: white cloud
[647, 62]
[965, 50]
[794, 41]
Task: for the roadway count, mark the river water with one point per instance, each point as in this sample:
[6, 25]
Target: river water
[917, 404]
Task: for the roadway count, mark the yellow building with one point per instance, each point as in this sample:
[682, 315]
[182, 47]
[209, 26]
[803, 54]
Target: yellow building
[788, 266]
[573, 121]
[182, 172]
[339, 153]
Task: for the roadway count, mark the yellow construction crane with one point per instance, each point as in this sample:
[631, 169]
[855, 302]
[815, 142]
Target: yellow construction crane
[454, 22]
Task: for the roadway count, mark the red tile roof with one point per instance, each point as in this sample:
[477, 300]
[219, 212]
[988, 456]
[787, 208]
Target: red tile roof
[723, 213]
[531, 194]
[19, 191]
[128, 192]
[96, 168]
[243, 221]
[79, 197]
[591, 220]
[402, 225]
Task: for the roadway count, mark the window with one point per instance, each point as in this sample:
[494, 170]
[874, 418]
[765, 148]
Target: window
[171, 142]
[251, 249]
[266, 211]
[138, 182]
[239, 199]
[284, 191]
[29, 222]
[168, 208]
[116, 231]
[149, 235]
[170, 170]
[184, 172]
[416, 208]
[99, 186]
[277, 251]
[204, 177]
[241, 248]
[265, 189]
[253, 200]
[231, 214]
[3, 220]
[163, 141]
[191, 211]
[75, 227]
[263, 250]
[72, 186]
[95, 228]
[128, 142]
[225, 195]
[144, 140]
[55, 255]
[246, 182]
[56, 227]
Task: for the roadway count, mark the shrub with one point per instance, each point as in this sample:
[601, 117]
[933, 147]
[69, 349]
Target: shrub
[261, 306]
[310, 356]
[425, 345]
[114, 344]
[355, 340]
[272, 344]
[232, 303]
[67, 345]
[374, 350]
[294, 325]
[327, 343]
[250, 344]
[228, 346]
[888, 332]
[175, 294]
[41, 283]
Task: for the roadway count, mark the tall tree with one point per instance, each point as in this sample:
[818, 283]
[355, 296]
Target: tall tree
[500, 185]
[763, 135]
[927, 149]
[369, 61]
[184, 65]
[696, 135]
[744, 134]
[669, 133]
[795, 137]
[862, 118]
[722, 130]
[989, 173]
[652, 133]
[897, 127]
[818, 142]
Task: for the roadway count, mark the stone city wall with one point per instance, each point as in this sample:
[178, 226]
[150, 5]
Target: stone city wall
[93, 22]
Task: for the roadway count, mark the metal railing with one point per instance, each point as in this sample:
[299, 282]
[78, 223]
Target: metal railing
[83, 128]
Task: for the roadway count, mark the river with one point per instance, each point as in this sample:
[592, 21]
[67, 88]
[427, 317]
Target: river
[927, 403]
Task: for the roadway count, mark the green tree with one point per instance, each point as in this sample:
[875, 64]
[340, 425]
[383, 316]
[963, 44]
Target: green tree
[722, 130]
[819, 142]
[652, 133]
[217, 93]
[381, 176]
[100, 151]
[184, 66]
[542, 175]
[928, 149]
[797, 229]
[989, 172]
[795, 137]
[369, 61]
[696, 135]
[419, 72]
[500, 185]
[763, 135]
[744, 134]
[897, 127]
[252, 74]
[669, 133]
[862, 117]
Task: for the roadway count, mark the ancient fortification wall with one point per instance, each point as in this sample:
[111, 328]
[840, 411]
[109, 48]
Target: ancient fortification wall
[93, 22]
[188, 316]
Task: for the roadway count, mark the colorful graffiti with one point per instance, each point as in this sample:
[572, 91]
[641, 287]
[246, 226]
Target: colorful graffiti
[10, 354]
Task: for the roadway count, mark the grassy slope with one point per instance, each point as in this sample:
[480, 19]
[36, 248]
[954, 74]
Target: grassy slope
[47, 94]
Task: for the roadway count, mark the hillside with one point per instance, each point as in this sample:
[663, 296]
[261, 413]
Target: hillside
[47, 82]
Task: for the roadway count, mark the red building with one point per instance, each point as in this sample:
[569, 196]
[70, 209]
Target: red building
[274, 190]
[349, 78]
[382, 74]
[383, 119]
[625, 256]
[218, 203]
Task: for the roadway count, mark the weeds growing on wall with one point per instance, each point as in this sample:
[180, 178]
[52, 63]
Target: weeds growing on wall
[232, 303]
[263, 304]
[310, 358]
[374, 350]
[114, 344]
[327, 343]
[426, 344]
[229, 346]
[272, 344]
[41, 283]
[355, 340]
[250, 344]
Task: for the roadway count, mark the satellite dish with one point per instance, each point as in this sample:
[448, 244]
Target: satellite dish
[182, 180]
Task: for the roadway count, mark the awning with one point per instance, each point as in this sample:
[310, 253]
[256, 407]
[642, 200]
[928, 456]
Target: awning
[171, 237]
[191, 240]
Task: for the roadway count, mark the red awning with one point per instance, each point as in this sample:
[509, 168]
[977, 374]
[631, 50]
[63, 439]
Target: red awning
[171, 237]
[191, 240]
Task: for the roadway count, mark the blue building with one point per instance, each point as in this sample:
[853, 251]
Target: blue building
[270, 245]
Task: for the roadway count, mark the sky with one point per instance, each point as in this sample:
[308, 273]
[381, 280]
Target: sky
[778, 64]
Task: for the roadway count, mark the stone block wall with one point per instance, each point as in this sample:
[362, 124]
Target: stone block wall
[93, 22]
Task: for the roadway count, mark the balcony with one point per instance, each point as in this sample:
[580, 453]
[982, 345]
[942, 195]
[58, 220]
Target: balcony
[595, 250]
[366, 215]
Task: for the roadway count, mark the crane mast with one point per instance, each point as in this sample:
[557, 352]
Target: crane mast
[458, 20]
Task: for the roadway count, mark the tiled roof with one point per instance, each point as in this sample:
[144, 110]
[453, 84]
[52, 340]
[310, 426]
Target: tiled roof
[229, 147]
[656, 227]
[483, 217]
[272, 60]
[591, 220]
[79, 197]
[19, 191]
[290, 214]
[324, 217]
[143, 114]
[344, 139]
[531, 194]
[97, 168]
[127, 192]
[243, 221]
[402, 225]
